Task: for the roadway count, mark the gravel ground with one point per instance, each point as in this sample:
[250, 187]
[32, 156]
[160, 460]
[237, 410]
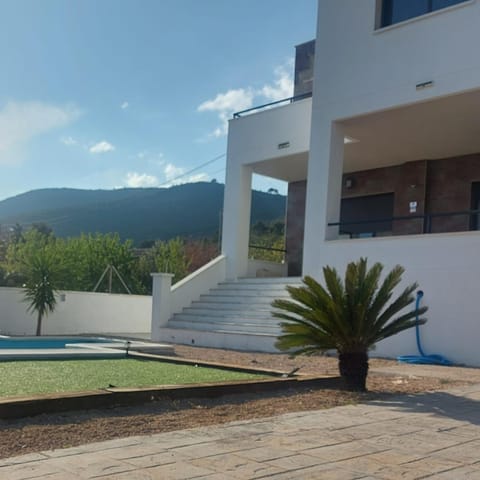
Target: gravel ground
[386, 377]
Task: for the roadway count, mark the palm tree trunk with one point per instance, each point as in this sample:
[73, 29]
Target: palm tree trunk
[353, 368]
[39, 324]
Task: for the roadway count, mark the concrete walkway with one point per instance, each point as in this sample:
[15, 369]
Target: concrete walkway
[433, 435]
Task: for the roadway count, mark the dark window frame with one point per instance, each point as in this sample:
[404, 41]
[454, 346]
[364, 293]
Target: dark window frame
[387, 11]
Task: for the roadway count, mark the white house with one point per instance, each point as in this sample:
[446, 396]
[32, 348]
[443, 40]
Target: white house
[382, 161]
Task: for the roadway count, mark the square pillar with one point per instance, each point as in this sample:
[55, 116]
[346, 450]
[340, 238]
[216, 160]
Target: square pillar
[324, 190]
[161, 303]
[236, 218]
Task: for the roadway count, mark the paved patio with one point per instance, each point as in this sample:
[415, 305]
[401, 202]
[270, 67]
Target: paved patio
[432, 435]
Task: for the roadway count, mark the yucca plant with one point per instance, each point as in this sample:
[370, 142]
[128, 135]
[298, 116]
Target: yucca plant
[350, 316]
[42, 272]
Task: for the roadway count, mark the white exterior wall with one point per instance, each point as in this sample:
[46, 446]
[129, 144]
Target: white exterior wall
[360, 70]
[81, 312]
[446, 268]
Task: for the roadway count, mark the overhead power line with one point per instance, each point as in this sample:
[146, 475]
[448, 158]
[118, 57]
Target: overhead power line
[178, 177]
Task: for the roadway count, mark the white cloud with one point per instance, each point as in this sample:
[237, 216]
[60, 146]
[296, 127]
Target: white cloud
[225, 105]
[124, 105]
[172, 173]
[101, 147]
[69, 141]
[140, 180]
[21, 121]
[283, 84]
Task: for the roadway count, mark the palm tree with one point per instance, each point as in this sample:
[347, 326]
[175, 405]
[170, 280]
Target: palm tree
[41, 271]
[350, 316]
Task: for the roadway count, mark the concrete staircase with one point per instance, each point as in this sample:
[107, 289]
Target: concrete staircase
[234, 315]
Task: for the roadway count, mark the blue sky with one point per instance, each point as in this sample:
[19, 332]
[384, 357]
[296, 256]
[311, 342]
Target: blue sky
[132, 93]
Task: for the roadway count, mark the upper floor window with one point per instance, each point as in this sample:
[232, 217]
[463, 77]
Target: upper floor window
[395, 11]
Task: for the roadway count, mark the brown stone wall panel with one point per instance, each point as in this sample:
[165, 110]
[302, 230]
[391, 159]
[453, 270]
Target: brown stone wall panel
[295, 226]
[449, 190]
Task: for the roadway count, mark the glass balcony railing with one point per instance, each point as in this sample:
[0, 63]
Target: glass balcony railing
[267, 106]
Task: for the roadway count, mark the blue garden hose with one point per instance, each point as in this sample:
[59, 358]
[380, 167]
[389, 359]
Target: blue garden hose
[422, 358]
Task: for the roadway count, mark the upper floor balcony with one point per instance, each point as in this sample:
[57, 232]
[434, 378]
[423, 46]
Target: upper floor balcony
[273, 139]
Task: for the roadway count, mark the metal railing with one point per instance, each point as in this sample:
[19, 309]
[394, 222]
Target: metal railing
[427, 220]
[270, 249]
[272, 104]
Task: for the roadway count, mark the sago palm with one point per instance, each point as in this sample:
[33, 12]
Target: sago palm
[350, 316]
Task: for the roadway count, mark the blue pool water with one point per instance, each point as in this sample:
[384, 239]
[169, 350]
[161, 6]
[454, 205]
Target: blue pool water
[47, 342]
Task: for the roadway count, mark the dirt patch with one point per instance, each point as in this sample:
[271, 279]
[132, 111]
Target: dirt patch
[46, 432]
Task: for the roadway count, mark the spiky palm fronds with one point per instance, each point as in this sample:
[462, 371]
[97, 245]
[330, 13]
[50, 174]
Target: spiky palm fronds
[349, 316]
[42, 271]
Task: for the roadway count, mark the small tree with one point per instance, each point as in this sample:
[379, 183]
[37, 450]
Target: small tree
[41, 271]
[350, 316]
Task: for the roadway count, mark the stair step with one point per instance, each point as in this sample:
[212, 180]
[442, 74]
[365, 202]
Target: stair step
[249, 293]
[269, 281]
[216, 339]
[221, 312]
[242, 299]
[226, 316]
[225, 326]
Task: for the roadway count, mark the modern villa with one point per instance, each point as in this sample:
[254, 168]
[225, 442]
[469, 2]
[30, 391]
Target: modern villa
[380, 146]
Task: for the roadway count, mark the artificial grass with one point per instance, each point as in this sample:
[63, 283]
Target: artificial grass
[36, 377]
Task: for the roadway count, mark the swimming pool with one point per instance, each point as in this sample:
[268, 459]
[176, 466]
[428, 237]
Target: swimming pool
[52, 342]
[74, 347]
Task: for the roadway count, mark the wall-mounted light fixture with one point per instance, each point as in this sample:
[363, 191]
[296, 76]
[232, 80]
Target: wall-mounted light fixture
[423, 85]
[348, 183]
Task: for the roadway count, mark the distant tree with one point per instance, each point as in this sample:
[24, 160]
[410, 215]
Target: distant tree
[35, 265]
[88, 256]
[166, 257]
[42, 228]
[273, 191]
[199, 252]
[17, 233]
[43, 275]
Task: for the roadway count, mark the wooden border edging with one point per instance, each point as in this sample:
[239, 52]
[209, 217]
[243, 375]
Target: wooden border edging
[116, 397]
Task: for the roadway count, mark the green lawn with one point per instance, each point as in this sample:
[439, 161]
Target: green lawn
[35, 377]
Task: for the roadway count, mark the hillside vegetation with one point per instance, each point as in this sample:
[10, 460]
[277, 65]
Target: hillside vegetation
[190, 210]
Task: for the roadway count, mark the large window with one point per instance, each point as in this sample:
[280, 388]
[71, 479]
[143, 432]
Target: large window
[395, 11]
[373, 212]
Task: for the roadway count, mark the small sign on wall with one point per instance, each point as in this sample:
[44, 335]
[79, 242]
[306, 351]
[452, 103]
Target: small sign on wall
[413, 207]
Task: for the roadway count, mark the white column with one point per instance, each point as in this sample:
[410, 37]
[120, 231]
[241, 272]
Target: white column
[324, 191]
[236, 218]
[161, 303]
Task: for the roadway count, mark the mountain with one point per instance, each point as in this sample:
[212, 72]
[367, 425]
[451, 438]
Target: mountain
[192, 209]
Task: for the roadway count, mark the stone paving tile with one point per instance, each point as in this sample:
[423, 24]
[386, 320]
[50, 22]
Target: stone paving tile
[236, 466]
[31, 457]
[411, 438]
[322, 472]
[467, 453]
[157, 459]
[464, 473]
[31, 470]
[294, 462]
[96, 447]
[91, 465]
[344, 451]
[178, 471]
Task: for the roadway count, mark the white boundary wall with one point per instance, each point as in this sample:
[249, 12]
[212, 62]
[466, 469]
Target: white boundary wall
[81, 312]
